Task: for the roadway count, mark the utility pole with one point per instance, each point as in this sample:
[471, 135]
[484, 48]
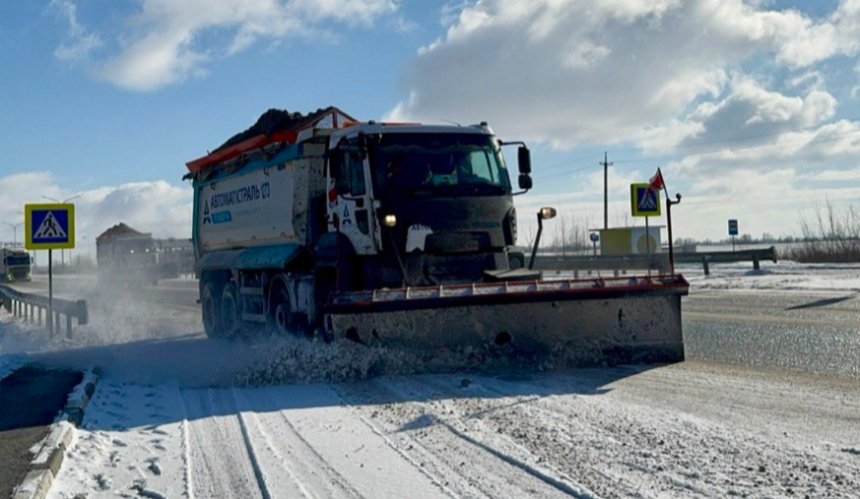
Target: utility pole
[606, 164]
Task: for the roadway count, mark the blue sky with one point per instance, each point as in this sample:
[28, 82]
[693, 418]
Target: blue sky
[750, 108]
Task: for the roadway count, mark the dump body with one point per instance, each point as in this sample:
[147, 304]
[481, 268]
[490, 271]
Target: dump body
[14, 264]
[399, 235]
[264, 203]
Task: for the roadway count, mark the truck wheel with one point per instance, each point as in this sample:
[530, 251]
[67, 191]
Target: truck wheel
[231, 321]
[211, 309]
[280, 314]
[279, 310]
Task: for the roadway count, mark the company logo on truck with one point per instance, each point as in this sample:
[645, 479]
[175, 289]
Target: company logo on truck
[233, 197]
[241, 195]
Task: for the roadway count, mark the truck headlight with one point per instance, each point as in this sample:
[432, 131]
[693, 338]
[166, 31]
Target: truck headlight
[389, 220]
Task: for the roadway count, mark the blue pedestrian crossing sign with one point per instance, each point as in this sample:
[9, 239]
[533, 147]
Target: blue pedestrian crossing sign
[49, 226]
[644, 201]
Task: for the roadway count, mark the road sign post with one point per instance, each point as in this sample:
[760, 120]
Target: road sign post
[50, 227]
[733, 231]
[669, 204]
[645, 202]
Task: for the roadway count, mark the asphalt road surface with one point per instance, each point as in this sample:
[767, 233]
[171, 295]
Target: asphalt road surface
[806, 331]
[30, 398]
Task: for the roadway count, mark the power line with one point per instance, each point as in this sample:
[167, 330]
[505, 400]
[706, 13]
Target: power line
[571, 161]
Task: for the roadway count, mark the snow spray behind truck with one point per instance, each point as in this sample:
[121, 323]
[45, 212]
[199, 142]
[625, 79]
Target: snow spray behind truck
[398, 234]
[126, 257]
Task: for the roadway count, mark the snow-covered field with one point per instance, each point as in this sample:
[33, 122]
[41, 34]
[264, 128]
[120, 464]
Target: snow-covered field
[179, 415]
[785, 275]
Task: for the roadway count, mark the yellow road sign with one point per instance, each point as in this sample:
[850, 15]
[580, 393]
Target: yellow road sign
[644, 202]
[49, 226]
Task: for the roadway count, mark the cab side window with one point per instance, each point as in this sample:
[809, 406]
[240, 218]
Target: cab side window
[348, 170]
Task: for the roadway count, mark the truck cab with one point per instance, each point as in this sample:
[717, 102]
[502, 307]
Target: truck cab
[14, 265]
[421, 205]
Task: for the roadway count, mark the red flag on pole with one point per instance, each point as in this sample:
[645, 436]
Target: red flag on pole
[657, 181]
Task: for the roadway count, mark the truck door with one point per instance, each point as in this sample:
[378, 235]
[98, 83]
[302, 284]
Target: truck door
[350, 206]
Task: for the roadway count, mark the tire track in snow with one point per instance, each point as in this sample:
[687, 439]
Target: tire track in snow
[516, 454]
[328, 448]
[282, 448]
[255, 463]
[497, 466]
[221, 464]
[186, 454]
[666, 450]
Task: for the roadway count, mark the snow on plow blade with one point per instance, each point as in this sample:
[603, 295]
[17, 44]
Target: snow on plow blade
[631, 319]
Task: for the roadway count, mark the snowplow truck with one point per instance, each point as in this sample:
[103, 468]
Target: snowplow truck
[126, 258]
[398, 235]
[14, 264]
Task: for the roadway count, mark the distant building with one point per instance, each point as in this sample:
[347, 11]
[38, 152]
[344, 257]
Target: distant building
[630, 240]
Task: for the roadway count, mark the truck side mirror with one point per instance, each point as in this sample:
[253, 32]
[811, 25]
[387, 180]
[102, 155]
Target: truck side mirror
[524, 160]
[525, 181]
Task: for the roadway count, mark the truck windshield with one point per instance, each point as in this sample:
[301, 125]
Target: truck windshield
[460, 164]
[18, 260]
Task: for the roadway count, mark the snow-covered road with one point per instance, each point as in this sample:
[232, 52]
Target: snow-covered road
[768, 405]
[680, 430]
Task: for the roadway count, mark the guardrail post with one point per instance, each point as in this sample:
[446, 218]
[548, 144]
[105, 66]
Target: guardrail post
[83, 313]
[705, 265]
[68, 326]
[755, 262]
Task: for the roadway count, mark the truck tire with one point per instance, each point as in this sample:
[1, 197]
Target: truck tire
[281, 317]
[278, 310]
[231, 316]
[211, 311]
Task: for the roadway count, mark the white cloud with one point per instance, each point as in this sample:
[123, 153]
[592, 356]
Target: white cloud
[79, 42]
[748, 115]
[169, 41]
[579, 72]
[158, 206]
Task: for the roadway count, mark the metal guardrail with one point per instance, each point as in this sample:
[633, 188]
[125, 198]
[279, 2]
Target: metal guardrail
[617, 264]
[34, 308]
[658, 262]
[709, 257]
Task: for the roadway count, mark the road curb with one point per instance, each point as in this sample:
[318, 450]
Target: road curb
[46, 464]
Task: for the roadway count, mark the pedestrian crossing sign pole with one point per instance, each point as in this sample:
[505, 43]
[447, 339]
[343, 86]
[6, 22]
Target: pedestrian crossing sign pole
[50, 227]
[645, 202]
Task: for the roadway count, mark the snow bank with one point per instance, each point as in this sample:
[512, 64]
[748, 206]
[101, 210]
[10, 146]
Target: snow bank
[786, 275]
